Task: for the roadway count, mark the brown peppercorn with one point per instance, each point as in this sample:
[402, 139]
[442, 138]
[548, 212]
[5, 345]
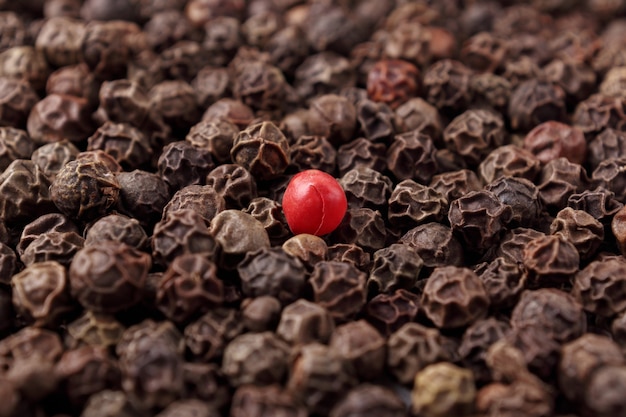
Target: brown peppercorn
[388, 312]
[367, 188]
[270, 214]
[509, 161]
[41, 293]
[207, 337]
[477, 340]
[411, 155]
[118, 228]
[610, 175]
[205, 382]
[479, 217]
[533, 102]
[182, 164]
[105, 47]
[376, 120]
[407, 40]
[503, 279]
[600, 203]
[304, 322]
[176, 101]
[330, 276]
[610, 143]
[262, 149]
[578, 80]
[332, 116]
[288, 48]
[579, 228]
[599, 112]
[14, 144]
[203, 199]
[491, 90]
[360, 344]
[368, 400]
[74, 80]
[551, 140]
[543, 319]
[23, 192]
[435, 244]
[484, 52]
[559, 179]
[261, 86]
[411, 204]
[156, 347]
[234, 183]
[323, 73]
[109, 277]
[14, 31]
[261, 313]
[210, 85]
[464, 305]
[17, 98]
[392, 82]
[270, 400]
[52, 246]
[84, 189]
[473, 134]
[237, 233]
[182, 232]
[419, 115]
[222, 38]
[396, 266]
[581, 358]
[411, 348]
[351, 253]
[25, 63]
[100, 156]
[255, 358]
[57, 117]
[361, 152]
[319, 378]
[273, 272]
[216, 136]
[309, 249]
[313, 152]
[443, 389]
[550, 261]
[447, 85]
[93, 329]
[601, 287]
[456, 184]
[188, 288]
[521, 195]
[28, 358]
[364, 227]
[142, 196]
[51, 158]
[124, 142]
[606, 392]
[85, 371]
[60, 39]
[230, 110]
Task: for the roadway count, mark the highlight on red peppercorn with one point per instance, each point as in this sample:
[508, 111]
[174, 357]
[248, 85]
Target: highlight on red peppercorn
[314, 203]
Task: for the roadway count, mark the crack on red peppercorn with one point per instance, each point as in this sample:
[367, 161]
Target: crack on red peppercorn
[323, 218]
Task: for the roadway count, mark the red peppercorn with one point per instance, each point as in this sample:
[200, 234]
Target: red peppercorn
[314, 203]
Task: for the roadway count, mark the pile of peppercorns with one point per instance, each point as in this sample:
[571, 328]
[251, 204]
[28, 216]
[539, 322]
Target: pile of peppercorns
[147, 267]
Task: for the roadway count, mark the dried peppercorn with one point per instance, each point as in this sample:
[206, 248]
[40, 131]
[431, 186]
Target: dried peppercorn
[454, 297]
[393, 82]
[442, 389]
[314, 203]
